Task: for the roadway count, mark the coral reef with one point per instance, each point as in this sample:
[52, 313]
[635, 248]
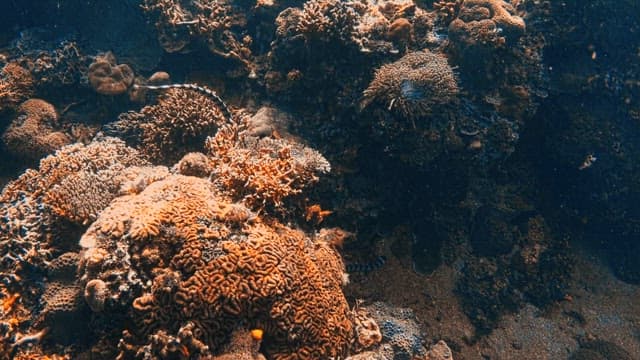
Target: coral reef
[178, 124]
[36, 131]
[16, 85]
[182, 254]
[262, 172]
[485, 23]
[414, 86]
[107, 77]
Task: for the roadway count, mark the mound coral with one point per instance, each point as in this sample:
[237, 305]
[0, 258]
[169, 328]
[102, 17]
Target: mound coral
[107, 77]
[35, 132]
[413, 85]
[487, 23]
[16, 85]
[262, 172]
[179, 123]
[180, 254]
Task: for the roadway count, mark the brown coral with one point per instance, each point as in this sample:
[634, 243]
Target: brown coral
[107, 77]
[486, 22]
[178, 124]
[413, 85]
[262, 172]
[16, 85]
[35, 132]
[78, 180]
[183, 255]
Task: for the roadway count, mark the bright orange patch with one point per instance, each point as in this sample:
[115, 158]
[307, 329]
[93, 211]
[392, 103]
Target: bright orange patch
[256, 334]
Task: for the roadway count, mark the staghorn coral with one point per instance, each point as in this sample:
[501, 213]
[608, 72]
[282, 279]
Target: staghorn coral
[35, 132]
[179, 253]
[178, 124]
[16, 85]
[413, 85]
[108, 78]
[262, 172]
[490, 23]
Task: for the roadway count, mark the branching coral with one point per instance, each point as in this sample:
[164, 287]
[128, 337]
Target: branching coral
[327, 20]
[179, 253]
[35, 132]
[262, 172]
[179, 123]
[413, 85]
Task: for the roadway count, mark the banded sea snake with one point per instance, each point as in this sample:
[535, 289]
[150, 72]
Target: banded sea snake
[201, 89]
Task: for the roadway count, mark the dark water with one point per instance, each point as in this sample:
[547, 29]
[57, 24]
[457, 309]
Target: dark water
[497, 141]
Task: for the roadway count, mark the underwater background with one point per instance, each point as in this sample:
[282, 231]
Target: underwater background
[322, 179]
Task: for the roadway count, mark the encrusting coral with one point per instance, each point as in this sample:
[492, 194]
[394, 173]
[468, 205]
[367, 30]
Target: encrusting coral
[181, 253]
[36, 130]
[413, 85]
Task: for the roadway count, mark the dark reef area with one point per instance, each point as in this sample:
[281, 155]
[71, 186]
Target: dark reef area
[321, 179]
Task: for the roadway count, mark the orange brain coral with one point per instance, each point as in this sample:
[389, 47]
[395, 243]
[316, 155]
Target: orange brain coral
[179, 253]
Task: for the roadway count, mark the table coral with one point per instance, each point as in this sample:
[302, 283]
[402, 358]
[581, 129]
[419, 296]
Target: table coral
[35, 131]
[179, 253]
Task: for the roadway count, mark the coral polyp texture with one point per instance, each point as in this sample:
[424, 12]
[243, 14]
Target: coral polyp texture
[16, 85]
[262, 172]
[180, 254]
[486, 23]
[178, 124]
[36, 130]
[413, 85]
[107, 77]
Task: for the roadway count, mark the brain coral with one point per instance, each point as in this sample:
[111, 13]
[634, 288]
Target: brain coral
[179, 253]
[413, 85]
[35, 132]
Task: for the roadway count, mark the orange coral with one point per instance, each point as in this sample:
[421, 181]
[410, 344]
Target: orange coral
[16, 85]
[108, 78]
[78, 180]
[35, 131]
[214, 266]
[262, 172]
[486, 22]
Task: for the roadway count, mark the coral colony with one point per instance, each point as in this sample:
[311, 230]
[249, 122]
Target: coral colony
[321, 179]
